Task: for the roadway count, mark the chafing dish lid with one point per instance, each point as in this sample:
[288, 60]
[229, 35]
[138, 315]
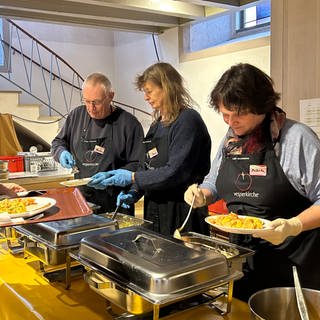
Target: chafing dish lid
[150, 259]
[56, 232]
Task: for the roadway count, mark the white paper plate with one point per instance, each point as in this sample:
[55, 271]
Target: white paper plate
[41, 204]
[75, 182]
[210, 220]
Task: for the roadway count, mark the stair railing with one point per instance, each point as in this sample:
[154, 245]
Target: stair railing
[27, 58]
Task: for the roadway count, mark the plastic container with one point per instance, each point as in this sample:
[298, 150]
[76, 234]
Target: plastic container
[40, 161]
[16, 163]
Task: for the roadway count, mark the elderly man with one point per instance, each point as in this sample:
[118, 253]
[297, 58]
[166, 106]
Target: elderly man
[97, 136]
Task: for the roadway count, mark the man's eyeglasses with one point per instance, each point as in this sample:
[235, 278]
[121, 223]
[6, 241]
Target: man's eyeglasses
[93, 102]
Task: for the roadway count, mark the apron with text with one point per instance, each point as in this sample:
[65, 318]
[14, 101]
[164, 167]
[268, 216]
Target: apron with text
[255, 184]
[167, 208]
[93, 155]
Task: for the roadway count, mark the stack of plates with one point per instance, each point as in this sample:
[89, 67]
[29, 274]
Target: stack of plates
[4, 173]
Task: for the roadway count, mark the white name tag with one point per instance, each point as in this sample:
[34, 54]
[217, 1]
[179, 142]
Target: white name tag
[258, 170]
[153, 152]
[99, 149]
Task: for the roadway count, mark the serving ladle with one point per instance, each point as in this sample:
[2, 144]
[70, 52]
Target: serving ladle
[303, 311]
[177, 232]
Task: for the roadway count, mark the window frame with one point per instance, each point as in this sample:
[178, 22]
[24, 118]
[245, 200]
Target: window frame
[251, 33]
[243, 32]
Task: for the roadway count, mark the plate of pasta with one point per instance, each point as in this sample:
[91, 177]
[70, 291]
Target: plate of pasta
[240, 224]
[25, 207]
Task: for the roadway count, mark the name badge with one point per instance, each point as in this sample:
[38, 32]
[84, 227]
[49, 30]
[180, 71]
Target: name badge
[258, 170]
[152, 152]
[98, 149]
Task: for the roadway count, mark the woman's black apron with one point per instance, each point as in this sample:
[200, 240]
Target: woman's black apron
[167, 208]
[95, 154]
[256, 185]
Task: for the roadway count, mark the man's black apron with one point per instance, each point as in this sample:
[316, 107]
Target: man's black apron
[95, 154]
[264, 191]
[167, 208]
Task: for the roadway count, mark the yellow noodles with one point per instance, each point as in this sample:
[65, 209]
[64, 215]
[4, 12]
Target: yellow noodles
[232, 220]
[16, 205]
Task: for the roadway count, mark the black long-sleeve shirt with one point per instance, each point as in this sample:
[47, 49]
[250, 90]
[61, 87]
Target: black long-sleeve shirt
[189, 147]
[121, 128]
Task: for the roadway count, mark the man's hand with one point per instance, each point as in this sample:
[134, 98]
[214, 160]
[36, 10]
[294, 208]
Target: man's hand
[14, 187]
[66, 159]
[200, 199]
[119, 177]
[281, 230]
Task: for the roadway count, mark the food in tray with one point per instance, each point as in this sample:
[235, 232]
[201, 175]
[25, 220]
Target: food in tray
[16, 205]
[233, 220]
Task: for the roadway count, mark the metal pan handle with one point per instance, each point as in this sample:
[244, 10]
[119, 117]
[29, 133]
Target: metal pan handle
[147, 243]
[93, 281]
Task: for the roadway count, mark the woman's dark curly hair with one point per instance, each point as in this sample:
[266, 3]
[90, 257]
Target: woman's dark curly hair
[245, 88]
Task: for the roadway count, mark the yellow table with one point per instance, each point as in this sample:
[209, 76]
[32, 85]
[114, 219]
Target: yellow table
[26, 295]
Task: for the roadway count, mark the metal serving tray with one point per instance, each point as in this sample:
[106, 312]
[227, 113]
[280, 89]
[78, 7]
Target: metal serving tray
[151, 262]
[235, 254]
[67, 232]
[125, 220]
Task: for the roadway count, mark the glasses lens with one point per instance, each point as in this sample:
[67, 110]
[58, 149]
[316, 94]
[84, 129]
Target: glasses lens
[93, 102]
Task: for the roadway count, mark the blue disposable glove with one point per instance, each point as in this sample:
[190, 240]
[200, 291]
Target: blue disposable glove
[66, 159]
[97, 180]
[119, 177]
[127, 199]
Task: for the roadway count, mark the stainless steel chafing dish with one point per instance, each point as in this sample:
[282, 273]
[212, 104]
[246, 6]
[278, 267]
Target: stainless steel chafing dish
[139, 270]
[51, 242]
[11, 236]
[236, 255]
[6, 232]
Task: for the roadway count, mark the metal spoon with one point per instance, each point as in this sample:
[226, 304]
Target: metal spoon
[299, 295]
[177, 232]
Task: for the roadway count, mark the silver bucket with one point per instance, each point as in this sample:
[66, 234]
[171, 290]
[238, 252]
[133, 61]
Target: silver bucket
[280, 304]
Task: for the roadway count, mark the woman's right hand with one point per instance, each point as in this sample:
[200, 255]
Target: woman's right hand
[200, 199]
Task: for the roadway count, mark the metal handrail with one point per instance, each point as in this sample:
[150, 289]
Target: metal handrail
[66, 92]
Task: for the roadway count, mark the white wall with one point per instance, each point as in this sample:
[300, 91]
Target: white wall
[135, 52]
[122, 55]
[202, 75]
[87, 50]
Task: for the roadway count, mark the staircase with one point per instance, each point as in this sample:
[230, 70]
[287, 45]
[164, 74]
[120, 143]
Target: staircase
[47, 79]
[46, 127]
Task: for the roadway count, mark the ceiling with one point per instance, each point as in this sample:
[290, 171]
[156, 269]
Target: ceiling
[152, 16]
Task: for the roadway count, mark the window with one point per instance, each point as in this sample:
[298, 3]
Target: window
[254, 17]
[4, 35]
[228, 26]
